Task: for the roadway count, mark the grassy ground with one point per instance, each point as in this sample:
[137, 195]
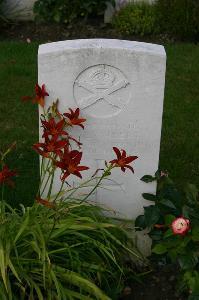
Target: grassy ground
[180, 135]
[18, 121]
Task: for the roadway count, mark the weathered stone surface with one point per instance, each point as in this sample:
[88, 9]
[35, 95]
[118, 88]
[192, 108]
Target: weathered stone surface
[18, 9]
[119, 87]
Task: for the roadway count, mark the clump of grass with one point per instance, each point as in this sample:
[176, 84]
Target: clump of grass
[70, 252]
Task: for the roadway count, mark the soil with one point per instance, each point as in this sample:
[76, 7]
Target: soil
[157, 285]
[41, 32]
[160, 284]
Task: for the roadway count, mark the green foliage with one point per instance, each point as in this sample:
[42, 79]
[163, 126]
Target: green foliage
[71, 252]
[178, 17]
[137, 18]
[67, 11]
[148, 178]
[171, 203]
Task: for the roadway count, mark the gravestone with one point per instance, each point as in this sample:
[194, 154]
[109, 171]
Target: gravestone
[119, 87]
[18, 9]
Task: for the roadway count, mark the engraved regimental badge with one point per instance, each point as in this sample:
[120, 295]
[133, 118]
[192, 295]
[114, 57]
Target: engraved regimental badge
[101, 90]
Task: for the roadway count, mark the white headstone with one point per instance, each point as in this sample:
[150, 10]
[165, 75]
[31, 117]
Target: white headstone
[119, 87]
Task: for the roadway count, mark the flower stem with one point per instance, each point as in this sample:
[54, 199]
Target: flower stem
[42, 175]
[105, 174]
[59, 192]
[41, 169]
[45, 184]
[84, 184]
[51, 184]
[2, 192]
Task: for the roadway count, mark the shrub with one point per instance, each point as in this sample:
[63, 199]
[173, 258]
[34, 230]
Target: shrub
[172, 221]
[178, 17]
[137, 18]
[67, 11]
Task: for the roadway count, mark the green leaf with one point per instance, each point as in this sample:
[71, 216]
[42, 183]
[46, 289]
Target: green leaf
[23, 227]
[152, 215]
[191, 192]
[173, 255]
[195, 234]
[171, 193]
[149, 197]
[188, 261]
[168, 233]
[156, 235]
[148, 178]
[185, 241]
[12, 268]
[79, 281]
[3, 267]
[191, 212]
[167, 203]
[159, 249]
[140, 222]
[192, 280]
[173, 242]
[169, 219]
[56, 282]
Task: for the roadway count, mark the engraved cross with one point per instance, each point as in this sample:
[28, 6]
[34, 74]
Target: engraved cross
[99, 94]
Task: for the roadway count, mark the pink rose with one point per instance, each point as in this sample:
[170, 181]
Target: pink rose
[180, 226]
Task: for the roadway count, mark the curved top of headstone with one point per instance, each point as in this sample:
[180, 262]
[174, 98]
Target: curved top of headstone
[102, 43]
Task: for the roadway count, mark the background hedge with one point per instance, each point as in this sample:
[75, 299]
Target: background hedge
[177, 18]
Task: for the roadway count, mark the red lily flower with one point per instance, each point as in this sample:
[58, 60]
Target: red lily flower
[69, 163]
[5, 176]
[45, 202]
[52, 128]
[74, 119]
[40, 95]
[50, 146]
[122, 160]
